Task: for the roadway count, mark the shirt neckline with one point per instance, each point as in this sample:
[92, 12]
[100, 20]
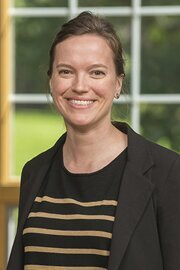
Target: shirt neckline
[103, 169]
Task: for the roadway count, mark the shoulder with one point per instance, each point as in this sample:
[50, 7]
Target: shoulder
[163, 158]
[164, 171]
[166, 162]
[165, 166]
[159, 153]
[141, 146]
[144, 154]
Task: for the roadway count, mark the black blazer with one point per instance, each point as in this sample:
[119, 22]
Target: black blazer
[146, 231]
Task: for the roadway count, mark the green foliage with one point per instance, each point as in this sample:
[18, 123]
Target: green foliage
[160, 123]
[159, 2]
[34, 132]
[41, 3]
[100, 3]
[160, 48]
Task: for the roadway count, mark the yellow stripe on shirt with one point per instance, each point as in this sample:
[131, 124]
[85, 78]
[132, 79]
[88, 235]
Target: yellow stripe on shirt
[67, 233]
[67, 250]
[72, 201]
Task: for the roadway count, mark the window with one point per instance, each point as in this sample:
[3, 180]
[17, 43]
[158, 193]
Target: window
[150, 35]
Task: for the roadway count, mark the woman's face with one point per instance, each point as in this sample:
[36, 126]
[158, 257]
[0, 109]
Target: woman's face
[84, 80]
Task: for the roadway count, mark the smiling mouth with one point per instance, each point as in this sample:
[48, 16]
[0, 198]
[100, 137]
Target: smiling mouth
[81, 102]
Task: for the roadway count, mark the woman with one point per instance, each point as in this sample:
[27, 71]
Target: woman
[102, 197]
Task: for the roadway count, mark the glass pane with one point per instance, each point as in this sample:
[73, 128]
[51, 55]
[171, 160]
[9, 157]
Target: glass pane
[40, 3]
[12, 213]
[160, 123]
[98, 3]
[159, 2]
[122, 26]
[35, 129]
[160, 54]
[33, 38]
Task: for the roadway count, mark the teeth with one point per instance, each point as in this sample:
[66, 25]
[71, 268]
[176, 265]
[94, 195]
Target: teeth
[81, 102]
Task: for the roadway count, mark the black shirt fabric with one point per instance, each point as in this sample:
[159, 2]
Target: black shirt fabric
[71, 220]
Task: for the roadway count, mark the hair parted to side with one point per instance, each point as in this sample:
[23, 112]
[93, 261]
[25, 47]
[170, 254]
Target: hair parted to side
[88, 23]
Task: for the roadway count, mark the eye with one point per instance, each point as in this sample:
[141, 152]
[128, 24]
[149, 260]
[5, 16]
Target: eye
[64, 72]
[97, 74]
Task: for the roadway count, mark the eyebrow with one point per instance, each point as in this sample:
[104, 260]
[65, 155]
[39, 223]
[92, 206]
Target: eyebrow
[91, 66]
[98, 65]
[63, 65]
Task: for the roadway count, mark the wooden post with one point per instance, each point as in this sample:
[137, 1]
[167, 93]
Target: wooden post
[4, 90]
[4, 122]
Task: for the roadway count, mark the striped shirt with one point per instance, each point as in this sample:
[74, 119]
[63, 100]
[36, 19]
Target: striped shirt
[70, 223]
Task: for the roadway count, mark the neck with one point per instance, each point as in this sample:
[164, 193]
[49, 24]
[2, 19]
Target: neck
[79, 142]
[92, 147]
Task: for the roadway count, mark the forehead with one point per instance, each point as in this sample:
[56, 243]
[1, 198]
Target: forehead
[84, 46]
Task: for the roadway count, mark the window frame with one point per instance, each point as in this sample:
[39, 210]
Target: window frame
[9, 192]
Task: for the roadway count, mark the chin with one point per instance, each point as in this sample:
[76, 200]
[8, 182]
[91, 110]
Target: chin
[79, 123]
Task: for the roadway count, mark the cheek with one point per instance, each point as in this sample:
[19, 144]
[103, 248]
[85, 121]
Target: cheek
[105, 87]
[60, 85]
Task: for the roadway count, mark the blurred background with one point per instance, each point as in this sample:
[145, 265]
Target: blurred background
[150, 35]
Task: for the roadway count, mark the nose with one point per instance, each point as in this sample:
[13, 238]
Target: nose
[80, 84]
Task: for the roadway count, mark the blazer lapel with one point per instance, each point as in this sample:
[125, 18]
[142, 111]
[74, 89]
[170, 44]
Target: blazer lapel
[135, 192]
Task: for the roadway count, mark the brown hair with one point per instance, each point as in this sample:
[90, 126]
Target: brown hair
[88, 23]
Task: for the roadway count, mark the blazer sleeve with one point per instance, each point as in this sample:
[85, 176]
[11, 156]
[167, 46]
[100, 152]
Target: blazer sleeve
[169, 218]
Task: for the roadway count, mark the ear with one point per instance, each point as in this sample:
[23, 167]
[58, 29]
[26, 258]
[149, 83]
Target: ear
[119, 82]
